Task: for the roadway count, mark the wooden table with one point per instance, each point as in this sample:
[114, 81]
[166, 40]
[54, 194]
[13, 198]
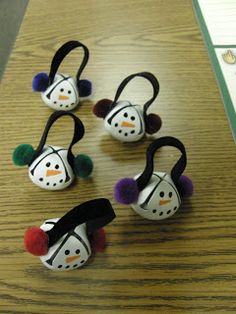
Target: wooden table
[186, 264]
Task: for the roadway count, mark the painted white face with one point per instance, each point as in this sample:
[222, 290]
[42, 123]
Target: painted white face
[159, 199]
[51, 170]
[70, 252]
[125, 122]
[62, 94]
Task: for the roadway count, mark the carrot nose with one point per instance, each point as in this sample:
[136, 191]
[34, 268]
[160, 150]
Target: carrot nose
[72, 258]
[127, 124]
[163, 202]
[50, 173]
[62, 97]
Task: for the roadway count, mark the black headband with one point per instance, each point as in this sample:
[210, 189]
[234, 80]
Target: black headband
[95, 213]
[78, 134]
[176, 171]
[147, 75]
[61, 54]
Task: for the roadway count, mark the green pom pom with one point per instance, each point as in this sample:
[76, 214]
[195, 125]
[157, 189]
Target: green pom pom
[83, 165]
[23, 154]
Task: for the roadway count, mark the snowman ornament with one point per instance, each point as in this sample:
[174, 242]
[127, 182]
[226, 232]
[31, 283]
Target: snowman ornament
[67, 243]
[156, 195]
[125, 121]
[61, 91]
[51, 170]
[52, 167]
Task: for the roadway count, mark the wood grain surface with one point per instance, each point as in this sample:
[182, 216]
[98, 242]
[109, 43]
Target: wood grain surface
[186, 264]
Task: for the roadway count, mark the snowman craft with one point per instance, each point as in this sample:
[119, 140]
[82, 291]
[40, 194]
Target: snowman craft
[52, 167]
[156, 195]
[68, 242]
[125, 121]
[61, 91]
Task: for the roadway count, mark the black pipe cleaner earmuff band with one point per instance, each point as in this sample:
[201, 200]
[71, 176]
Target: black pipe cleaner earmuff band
[78, 133]
[95, 213]
[176, 171]
[147, 75]
[61, 54]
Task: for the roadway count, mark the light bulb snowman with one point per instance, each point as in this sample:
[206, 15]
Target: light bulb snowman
[156, 195]
[125, 121]
[67, 243]
[52, 167]
[62, 91]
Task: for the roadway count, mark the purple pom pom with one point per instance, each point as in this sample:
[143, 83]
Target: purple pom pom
[85, 88]
[185, 186]
[126, 191]
[40, 82]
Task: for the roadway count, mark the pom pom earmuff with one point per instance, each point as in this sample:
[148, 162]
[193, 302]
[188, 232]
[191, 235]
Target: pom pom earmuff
[156, 195]
[61, 91]
[125, 121]
[51, 167]
[68, 242]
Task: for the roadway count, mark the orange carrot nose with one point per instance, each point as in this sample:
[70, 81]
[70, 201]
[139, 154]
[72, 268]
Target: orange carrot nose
[50, 173]
[62, 97]
[163, 202]
[72, 258]
[127, 124]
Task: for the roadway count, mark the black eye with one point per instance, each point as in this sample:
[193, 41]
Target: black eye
[132, 118]
[62, 90]
[162, 194]
[67, 252]
[57, 167]
[125, 114]
[170, 194]
[69, 91]
[40, 179]
[48, 164]
[77, 251]
[116, 124]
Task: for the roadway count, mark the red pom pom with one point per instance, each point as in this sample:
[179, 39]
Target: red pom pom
[98, 241]
[153, 123]
[36, 241]
[102, 107]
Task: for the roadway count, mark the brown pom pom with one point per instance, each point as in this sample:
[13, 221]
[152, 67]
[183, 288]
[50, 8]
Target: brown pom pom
[102, 107]
[153, 123]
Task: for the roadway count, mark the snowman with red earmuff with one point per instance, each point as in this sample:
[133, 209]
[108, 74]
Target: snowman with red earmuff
[67, 243]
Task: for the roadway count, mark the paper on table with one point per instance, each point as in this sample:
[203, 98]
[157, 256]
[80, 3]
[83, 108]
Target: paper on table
[217, 19]
[220, 17]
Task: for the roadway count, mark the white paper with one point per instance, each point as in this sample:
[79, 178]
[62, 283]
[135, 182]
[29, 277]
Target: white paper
[220, 17]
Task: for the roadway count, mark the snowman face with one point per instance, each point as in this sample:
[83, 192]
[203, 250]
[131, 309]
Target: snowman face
[159, 199]
[125, 122]
[51, 169]
[70, 252]
[62, 94]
